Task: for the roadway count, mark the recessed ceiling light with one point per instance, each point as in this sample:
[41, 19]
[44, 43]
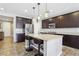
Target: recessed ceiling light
[26, 10]
[1, 9]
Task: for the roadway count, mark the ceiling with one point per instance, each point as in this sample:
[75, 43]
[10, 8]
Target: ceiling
[57, 9]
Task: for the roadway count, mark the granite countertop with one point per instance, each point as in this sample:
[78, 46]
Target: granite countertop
[45, 36]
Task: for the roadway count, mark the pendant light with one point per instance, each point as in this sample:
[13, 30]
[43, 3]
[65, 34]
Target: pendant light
[34, 11]
[33, 15]
[38, 17]
[46, 11]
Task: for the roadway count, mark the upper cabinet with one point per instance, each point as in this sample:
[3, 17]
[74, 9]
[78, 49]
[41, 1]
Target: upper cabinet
[70, 20]
[20, 22]
[26, 21]
[45, 23]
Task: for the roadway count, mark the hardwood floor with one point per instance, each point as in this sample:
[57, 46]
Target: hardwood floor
[8, 48]
[68, 51]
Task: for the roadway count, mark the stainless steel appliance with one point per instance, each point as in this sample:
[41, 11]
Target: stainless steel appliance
[52, 25]
[28, 28]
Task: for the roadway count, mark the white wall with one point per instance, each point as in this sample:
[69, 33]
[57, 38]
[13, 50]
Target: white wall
[37, 25]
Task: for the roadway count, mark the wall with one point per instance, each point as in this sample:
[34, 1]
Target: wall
[37, 25]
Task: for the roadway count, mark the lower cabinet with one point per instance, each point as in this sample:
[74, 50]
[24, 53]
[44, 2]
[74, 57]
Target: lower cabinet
[21, 37]
[66, 40]
[1, 36]
[75, 42]
[71, 40]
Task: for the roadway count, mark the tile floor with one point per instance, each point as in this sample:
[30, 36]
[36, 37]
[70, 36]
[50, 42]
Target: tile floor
[8, 48]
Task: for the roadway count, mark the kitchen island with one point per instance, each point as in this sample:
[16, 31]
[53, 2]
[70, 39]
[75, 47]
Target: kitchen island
[52, 45]
[70, 35]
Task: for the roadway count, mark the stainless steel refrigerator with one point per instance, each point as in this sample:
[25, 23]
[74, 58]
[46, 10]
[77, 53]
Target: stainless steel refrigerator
[28, 28]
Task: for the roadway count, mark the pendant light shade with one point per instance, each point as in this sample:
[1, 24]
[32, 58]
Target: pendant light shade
[46, 14]
[38, 17]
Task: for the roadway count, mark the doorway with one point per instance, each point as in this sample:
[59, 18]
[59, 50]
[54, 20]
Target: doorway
[7, 29]
[7, 26]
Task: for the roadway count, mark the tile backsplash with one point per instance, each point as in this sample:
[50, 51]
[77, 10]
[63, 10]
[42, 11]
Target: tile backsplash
[61, 30]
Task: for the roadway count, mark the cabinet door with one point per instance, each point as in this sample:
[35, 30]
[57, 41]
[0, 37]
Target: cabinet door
[75, 19]
[21, 37]
[19, 22]
[75, 42]
[27, 21]
[45, 24]
[71, 40]
[67, 40]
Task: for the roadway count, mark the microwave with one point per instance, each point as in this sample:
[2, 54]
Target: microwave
[51, 25]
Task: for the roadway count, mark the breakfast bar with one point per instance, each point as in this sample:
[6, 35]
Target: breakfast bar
[52, 44]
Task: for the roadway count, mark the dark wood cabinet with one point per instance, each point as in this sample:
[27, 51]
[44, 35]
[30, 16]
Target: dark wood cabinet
[45, 23]
[20, 37]
[75, 42]
[1, 36]
[19, 22]
[71, 40]
[27, 21]
[70, 20]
